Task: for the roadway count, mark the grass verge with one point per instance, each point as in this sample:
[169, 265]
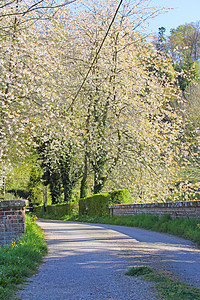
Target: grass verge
[186, 228]
[168, 289]
[21, 259]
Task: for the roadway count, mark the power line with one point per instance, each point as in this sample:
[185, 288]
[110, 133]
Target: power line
[86, 76]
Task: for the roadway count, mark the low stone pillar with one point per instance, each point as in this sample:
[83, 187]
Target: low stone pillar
[12, 220]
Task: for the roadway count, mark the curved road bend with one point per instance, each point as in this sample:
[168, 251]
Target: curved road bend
[88, 261]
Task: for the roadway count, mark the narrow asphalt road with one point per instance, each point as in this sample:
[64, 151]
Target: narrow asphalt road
[88, 261]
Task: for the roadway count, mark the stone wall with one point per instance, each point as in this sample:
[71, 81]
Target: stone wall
[175, 209]
[12, 220]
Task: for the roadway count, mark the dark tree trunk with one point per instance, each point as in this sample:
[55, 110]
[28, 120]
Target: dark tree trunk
[99, 182]
[84, 184]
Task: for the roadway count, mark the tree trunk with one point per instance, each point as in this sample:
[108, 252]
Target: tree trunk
[84, 184]
[99, 182]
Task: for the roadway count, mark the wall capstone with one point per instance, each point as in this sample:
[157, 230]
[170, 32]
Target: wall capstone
[12, 220]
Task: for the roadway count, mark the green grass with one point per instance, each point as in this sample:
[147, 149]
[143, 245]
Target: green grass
[138, 271]
[21, 259]
[168, 288]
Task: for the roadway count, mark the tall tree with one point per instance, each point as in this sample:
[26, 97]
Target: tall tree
[22, 24]
[184, 48]
[94, 101]
[126, 110]
[161, 40]
[97, 105]
[184, 42]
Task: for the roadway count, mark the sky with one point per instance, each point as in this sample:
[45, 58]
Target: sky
[185, 11]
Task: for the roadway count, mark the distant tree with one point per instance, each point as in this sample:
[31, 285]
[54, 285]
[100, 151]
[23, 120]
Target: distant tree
[183, 45]
[193, 108]
[161, 40]
[184, 42]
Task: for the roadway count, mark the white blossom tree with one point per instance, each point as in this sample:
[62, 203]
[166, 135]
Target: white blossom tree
[21, 80]
[126, 114]
[85, 81]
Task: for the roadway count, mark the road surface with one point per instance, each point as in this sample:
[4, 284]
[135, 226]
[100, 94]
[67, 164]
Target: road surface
[88, 261]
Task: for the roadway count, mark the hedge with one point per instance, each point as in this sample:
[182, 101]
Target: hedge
[56, 209]
[98, 205]
[120, 196]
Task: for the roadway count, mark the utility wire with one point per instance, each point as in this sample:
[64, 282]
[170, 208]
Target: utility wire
[86, 76]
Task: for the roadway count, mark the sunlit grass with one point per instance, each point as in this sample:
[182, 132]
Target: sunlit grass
[21, 258]
[168, 288]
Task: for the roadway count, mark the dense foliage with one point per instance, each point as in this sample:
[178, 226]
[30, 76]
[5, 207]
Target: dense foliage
[98, 204]
[94, 102]
[58, 210]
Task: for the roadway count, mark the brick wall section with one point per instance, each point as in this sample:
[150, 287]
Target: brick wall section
[175, 209]
[12, 220]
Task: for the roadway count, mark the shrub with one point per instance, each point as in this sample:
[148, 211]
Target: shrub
[58, 210]
[98, 205]
[18, 193]
[38, 209]
[120, 196]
